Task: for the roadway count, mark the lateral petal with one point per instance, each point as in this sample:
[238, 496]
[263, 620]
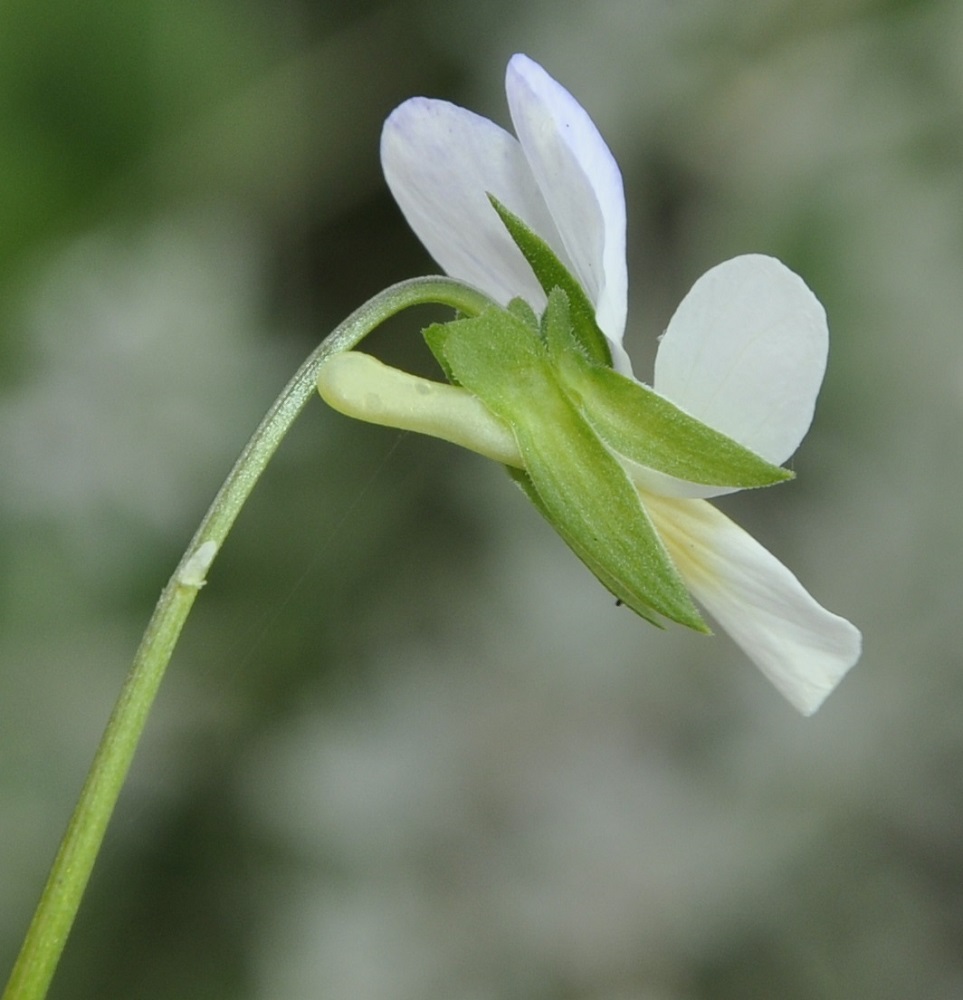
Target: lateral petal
[800, 646]
[582, 186]
[441, 162]
[745, 353]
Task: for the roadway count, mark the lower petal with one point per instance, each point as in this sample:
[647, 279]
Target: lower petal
[800, 646]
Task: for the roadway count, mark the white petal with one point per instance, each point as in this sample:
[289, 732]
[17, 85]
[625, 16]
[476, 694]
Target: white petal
[664, 485]
[441, 162]
[581, 184]
[800, 646]
[745, 353]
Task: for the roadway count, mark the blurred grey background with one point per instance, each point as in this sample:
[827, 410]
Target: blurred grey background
[408, 747]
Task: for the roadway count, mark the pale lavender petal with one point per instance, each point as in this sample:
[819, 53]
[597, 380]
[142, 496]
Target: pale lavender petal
[745, 353]
[581, 184]
[441, 162]
[800, 646]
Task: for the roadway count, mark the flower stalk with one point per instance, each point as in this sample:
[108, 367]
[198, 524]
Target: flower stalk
[74, 862]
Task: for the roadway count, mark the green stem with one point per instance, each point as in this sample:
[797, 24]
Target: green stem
[48, 931]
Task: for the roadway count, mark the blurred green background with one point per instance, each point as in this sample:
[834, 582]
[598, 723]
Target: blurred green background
[408, 747]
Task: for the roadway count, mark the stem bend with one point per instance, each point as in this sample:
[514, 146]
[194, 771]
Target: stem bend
[62, 895]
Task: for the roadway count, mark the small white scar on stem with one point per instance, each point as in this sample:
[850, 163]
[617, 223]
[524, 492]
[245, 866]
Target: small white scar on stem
[194, 572]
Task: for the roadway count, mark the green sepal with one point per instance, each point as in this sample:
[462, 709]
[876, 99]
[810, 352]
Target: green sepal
[571, 476]
[644, 427]
[552, 273]
[520, 309]
[610, 581]
[436, 334]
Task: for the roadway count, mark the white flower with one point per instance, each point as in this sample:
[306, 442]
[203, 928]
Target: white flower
[744, 353]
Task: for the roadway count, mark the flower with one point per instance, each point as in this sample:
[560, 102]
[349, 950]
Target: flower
[744, 354]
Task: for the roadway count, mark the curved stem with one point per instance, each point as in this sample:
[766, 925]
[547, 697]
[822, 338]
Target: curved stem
[78, 850]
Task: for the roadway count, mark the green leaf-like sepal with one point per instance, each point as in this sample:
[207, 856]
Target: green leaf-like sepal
[631, 418]
[570, 475]
[552, 273]
[644, 427]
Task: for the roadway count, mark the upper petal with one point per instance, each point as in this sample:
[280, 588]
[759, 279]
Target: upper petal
[746, 352]
[441, 162]
[582, 186]
[800, 646]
